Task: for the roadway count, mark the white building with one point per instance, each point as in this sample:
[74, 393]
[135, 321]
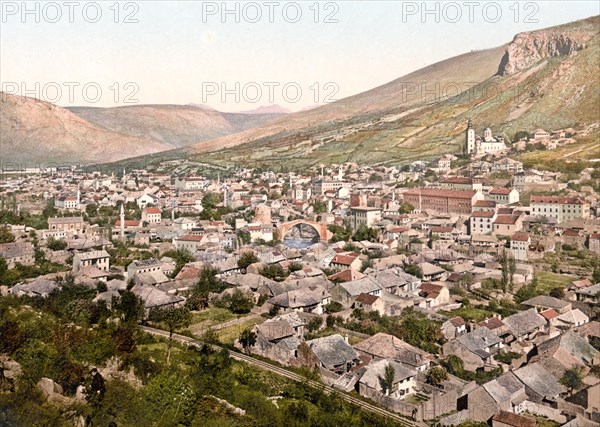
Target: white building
[519, 246]
[145, 200]
[143, 266]
[488, 143]
[560, 208]
[151, 215]
[98, 259]
[503, 196]
[366, 216]
[481, 222]
[190, 184]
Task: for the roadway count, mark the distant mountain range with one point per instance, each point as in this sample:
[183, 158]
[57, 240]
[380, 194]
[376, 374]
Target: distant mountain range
[543, 79]
[35, 131]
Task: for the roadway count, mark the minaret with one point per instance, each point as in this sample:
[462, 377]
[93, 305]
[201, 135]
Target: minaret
[225, 202]
[290, 180]
[78, 196]
[470, 138]
[340, 174]
[122, 223]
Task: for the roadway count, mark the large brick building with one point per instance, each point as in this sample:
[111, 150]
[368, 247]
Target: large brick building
[442, 200]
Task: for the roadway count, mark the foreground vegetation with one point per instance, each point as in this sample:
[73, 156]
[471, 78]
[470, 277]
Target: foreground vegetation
[63, 336]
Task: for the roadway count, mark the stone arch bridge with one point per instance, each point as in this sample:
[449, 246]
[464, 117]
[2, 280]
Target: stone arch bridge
[324, 233]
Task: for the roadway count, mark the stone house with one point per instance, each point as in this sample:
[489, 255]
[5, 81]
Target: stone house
[474, 348]
[403, 385]
[98, 259]
[334, 353]
[384, 346]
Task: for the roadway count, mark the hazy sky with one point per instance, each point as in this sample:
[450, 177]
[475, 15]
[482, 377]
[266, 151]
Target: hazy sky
[234, 55]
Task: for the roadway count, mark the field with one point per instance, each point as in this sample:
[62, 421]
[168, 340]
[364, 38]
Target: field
[548, 280]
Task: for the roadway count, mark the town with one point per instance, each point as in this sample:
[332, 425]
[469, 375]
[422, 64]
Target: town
[459, 289]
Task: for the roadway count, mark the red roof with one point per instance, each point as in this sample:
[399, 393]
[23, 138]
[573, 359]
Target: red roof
[191, 238]
[367, 299]
[441, 229]
[492, 323]
[558, 200]
[347, 275]
[484, 204]
[520, 237]
[436, 192]
[504, 191]
[581, 283]
[483, 214]
[343, 259]
[458, 180]
[506, 219]
[458, 321]
[549, 314]
[152, 210]
[128, 223]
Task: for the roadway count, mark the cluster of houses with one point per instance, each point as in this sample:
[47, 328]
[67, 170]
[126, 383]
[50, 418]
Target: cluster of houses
[416, 240]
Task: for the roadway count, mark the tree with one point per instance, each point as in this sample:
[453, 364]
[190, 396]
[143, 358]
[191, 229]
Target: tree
[244, 236]
[364, 233]
[6, 235]
[56, 244]
[467, 280]
[247, 259]
[413, 269]
[130, 307]
[247, 338]
[3, 267]
[319, 207]
[209, 282]
[210, 200]
[507, 262]
[436, 375]
[174, 318]
[406, 208]
[572, 378]
[315, 323]
[273, 272]
[181, 258]
[237, 302]
[557, 292]
[91, 209]
[386, 382]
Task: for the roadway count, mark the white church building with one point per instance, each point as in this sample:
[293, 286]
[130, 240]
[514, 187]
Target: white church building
[488, 143]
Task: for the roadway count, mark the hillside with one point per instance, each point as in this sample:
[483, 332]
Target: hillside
[175, 125]
[34, 131]
[513, 87]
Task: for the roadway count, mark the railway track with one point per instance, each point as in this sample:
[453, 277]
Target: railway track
[290, 375]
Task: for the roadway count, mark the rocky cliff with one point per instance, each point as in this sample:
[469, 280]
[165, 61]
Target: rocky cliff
[527, 49]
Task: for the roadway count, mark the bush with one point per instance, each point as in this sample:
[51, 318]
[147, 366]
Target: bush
[247, 259]
[237, 302]
[334, 307]
[56, 244]
[315, 324]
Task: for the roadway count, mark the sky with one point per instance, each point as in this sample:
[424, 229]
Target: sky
[235, 56]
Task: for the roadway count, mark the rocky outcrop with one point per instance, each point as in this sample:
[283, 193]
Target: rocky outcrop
[527, 49]
[10, 371]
